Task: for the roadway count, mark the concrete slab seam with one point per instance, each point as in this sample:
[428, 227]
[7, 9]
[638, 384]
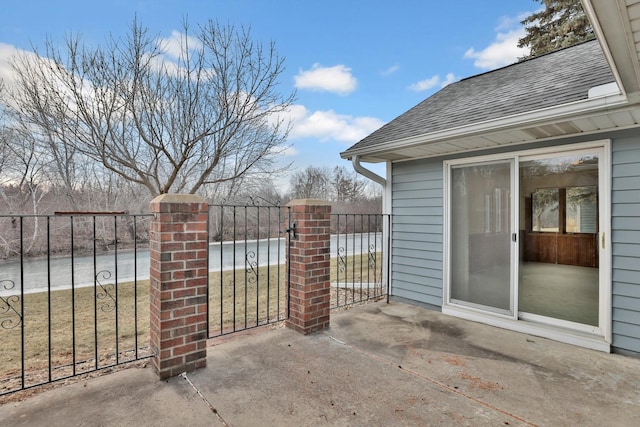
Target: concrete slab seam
[432, 381]
[213, 409]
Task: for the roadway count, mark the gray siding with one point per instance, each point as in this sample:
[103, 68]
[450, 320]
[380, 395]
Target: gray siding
[417, 194]
[625, 237]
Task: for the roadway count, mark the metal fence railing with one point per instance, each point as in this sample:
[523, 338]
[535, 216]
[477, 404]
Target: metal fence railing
[359, 258]
[248, 276]
[71, 297]
[74, 290]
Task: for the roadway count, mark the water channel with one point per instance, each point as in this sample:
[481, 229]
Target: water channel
[38, 275]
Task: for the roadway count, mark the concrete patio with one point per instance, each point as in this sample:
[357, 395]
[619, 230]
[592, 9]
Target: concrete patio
[379, 364]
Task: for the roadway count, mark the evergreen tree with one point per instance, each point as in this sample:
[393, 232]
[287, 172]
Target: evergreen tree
[562, 23]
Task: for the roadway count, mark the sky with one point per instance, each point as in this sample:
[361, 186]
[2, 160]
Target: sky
[354, 65]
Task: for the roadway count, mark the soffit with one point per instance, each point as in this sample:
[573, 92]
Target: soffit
[576, 125]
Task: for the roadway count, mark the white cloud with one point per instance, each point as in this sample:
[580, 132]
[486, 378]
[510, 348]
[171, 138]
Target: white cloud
[450, 78]
[7, 75]
[174, 45]
[337, 79]
[171, 46]
[284, 151]
[329, 125]
[173, 50]
[504, 50]
[508, 23]
[287, 151]
[432, 82]
[425, 84]
[389, 71]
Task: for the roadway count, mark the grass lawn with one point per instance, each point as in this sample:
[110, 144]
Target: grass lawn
[87, 327]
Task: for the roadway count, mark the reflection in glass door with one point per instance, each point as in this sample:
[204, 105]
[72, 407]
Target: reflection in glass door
[559, 260]
[480, 230]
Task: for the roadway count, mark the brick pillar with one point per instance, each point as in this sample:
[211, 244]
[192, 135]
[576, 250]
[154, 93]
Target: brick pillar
[178, 279]
[309, 257]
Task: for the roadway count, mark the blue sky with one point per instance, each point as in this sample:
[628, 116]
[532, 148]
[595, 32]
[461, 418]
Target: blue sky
[354, 64]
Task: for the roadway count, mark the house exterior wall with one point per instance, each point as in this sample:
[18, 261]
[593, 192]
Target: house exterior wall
[625, 241]
[417, 227]
[417, 241]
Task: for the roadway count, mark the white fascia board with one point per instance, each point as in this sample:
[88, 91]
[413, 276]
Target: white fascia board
[596, 23]
[563, 112]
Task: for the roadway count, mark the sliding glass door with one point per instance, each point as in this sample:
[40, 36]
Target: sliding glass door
[559, 223]
[526, 238]
[480, 230]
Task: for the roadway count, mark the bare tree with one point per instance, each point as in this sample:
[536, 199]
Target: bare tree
[4, 146]
[313, 182]
[337, 184]
[23, 175]
[347, 186]
[170, 117]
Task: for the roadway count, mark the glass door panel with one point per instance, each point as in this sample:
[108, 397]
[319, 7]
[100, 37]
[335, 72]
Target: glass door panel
[480, 215]
[558, 269]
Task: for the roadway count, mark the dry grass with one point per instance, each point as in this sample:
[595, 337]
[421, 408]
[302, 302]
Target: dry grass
[260, 296]
[80, 331]
[241, 299]
[353, 276]
[63, 327]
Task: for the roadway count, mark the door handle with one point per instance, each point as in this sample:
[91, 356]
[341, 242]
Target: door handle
[602, 239]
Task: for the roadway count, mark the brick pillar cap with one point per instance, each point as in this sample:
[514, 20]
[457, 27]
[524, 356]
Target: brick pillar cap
[308, 202]
[178, 198]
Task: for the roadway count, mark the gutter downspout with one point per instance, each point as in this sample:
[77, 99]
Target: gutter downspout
[386, 212]
[355, 160]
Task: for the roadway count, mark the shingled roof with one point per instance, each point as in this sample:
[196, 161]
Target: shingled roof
[554, 79]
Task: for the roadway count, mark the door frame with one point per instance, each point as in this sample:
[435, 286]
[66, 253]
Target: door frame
[512, 313]
[598, 338]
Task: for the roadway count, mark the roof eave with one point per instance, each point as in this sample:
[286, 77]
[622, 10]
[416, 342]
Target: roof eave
[525, 120]
[612, 25]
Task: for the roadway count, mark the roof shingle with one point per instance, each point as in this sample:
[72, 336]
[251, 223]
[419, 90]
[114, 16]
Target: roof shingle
[560, 77]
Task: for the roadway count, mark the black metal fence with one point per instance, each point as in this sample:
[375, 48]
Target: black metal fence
[71, 297]
[359, 258]
[248, 277]
[74, 291]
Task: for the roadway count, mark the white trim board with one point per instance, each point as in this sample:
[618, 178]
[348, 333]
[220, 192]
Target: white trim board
[598, 338]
